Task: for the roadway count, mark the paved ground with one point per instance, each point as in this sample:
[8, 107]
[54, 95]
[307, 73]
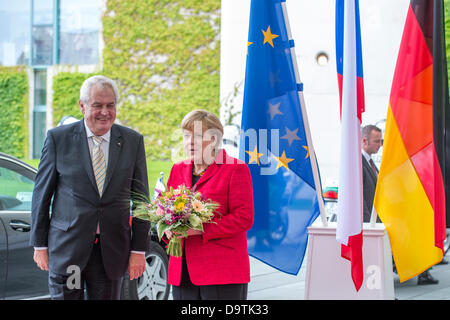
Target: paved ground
[269, 284]
[409, 290]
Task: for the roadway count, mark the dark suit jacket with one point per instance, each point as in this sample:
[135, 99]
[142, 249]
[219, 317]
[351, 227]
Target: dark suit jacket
[65, 173]
[369, 187]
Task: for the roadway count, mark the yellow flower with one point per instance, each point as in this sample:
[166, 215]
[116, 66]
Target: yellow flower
[179, 206]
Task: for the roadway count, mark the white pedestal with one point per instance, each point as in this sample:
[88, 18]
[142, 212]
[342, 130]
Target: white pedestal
[328, 275]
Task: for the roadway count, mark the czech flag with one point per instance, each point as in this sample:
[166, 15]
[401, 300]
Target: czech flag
[410, 195]
[351, 90]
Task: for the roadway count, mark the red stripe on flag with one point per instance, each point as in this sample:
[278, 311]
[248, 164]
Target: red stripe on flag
[340, 79]
[360, 97]
[353, 253]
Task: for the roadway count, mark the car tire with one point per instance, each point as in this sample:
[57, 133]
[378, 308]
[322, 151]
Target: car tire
[152, 285]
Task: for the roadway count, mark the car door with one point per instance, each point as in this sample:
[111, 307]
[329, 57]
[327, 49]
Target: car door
[23, 278]
[3, 259]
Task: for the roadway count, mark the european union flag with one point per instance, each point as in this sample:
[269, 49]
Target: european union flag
[274, 143]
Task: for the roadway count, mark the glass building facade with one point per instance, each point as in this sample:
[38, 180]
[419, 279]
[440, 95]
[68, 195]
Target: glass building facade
[43, 33]
[15, 23]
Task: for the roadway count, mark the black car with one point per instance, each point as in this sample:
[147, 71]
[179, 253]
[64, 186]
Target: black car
[20, 278]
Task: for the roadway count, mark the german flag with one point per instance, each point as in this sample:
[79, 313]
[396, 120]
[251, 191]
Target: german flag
[410, 196]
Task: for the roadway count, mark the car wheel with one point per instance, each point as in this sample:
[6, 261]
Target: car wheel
[152, 285]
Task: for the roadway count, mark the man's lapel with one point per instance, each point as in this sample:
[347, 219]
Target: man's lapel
[80, 140]
[368, 167]
[115, 146]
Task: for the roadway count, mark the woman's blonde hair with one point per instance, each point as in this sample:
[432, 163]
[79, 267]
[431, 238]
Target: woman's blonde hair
[208, 120]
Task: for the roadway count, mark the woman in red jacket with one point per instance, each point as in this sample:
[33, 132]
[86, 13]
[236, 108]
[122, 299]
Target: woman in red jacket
[215, 262]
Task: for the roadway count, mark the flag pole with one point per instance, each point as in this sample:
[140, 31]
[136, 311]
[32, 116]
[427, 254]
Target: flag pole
[373, 217]
[312, 153]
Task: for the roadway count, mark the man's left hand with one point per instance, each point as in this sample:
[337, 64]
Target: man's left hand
[136, 265]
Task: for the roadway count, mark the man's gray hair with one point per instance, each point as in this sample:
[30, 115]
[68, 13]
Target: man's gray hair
[101, 82]
[367, 130]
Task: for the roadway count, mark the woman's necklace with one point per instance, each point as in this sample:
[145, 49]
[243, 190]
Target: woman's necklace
[200, 173]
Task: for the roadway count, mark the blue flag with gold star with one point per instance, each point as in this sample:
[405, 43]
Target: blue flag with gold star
[274, 142]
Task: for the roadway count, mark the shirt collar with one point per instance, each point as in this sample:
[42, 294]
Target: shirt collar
[366, 155]
[89, 133]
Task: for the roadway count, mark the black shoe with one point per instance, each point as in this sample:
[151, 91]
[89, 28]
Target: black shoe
[443, 261]
[426, 278]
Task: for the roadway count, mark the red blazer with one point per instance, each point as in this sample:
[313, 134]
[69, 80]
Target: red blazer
[219, 255]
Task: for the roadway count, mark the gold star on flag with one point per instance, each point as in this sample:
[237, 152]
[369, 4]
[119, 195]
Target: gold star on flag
[254, 156]
[283, 161]
[307, 151]
[269, 36]
[248, 45]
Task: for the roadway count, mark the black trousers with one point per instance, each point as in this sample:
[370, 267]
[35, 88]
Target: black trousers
[233, 291]
[93, 278]
[188, 291]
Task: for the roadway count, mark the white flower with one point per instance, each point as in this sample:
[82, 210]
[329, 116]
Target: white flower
[195, 221]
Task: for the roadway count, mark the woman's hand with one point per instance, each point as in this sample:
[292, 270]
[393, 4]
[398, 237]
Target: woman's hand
[190, 232]
[193, 232]
[169, 234]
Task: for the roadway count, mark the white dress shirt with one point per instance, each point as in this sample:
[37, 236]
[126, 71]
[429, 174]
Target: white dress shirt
[366, 155]
[104, 145]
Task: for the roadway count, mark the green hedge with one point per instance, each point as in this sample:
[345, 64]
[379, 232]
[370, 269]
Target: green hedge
[14, 111]
[165, 56]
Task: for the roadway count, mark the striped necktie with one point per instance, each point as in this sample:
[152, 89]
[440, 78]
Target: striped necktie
[99, 164]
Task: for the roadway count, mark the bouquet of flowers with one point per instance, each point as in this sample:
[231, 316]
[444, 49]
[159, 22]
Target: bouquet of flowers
[177, 210]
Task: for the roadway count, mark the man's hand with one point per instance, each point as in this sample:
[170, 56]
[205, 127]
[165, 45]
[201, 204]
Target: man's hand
[136, 265]
[41, 258]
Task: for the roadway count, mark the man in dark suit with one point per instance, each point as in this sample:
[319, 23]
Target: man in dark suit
[371, 142]
[88, 173]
